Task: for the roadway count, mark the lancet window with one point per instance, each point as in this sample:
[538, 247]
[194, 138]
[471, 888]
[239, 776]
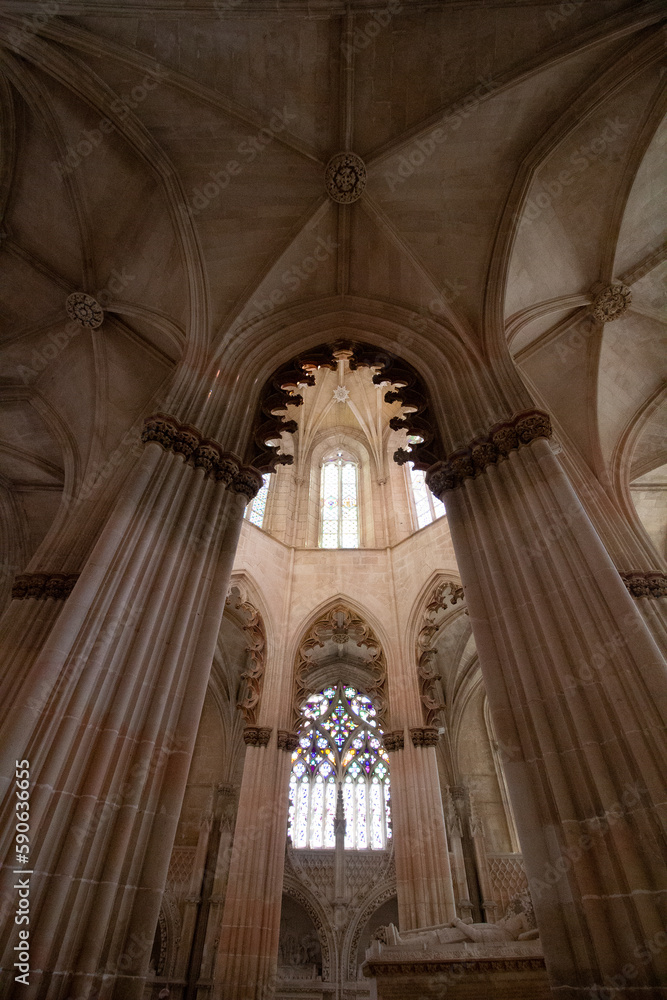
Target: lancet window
[256, 509]
[339, 520]
[340, 745]
[427, 507]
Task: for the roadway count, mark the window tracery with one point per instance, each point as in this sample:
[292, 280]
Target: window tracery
[427, 507]
[340, 744]
[339, 518]
[256, 509]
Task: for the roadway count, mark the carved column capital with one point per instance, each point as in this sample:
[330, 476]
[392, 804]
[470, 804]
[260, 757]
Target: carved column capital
[495, 446]
[425, 736]
[257, 736]
[641, 584]
[394, 741]
[41, 586]
[287, 741]
[202, 453]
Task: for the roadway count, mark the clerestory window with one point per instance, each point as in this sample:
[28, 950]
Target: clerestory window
[256, 509]
[427, 507]
[340, 745]
[339, 511]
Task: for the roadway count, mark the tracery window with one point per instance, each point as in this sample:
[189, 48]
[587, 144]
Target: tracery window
[340, 745]
[256, 509]
[427, 507]
[339, 520]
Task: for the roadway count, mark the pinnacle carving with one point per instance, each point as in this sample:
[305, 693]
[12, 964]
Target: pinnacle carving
[645, 584]
[345, 178]
[202, 453]
[252, 679]
[84, 309]
[42, 586]
[611, 302]
[472, 461]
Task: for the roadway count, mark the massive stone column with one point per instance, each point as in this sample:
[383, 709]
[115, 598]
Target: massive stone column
[423, 873]
[246, 965]
[578, 696]
[126, 666]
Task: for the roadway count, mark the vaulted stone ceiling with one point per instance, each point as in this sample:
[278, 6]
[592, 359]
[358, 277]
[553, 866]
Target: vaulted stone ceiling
[168, 159]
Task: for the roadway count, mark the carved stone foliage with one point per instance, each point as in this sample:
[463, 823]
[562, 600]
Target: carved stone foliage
[84, 309]
[252, 679]
[394, 741]
[41, 586]
[445, 595]
[611, 302]
[403, 384]
[345, 178]
[202, 453]
[341, 626]
[495, 447]
[287, 741]
[257, 736]
[645, 584]
[427, 736]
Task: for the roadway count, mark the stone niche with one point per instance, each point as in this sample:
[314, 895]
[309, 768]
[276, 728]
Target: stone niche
[299, 950]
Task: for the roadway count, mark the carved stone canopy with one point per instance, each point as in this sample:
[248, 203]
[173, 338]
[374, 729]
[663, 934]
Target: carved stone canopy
[340, 636]
[444, 596]
[252, 678]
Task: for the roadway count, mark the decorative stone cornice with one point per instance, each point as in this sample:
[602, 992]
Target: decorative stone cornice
[426, 736]
[287, 741]
[41, 586]
[503, 438]
[645, 584]
[257, 736]
[345, 178]
[202, 453]
[611, 302]
[394, 741]
[85, 310]
[397, 966]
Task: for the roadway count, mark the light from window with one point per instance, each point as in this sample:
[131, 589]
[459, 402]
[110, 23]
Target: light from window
[427, 507]
[257, 507]
[340, 744]
[340, 516]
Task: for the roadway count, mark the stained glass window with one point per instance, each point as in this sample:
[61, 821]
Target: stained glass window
[340, 745]
[427, 507]
[256, 509]
[339, 510]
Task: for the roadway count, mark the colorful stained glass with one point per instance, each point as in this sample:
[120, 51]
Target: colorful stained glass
[427, 507]
[257, 507]
[339, 744]
[339, 505]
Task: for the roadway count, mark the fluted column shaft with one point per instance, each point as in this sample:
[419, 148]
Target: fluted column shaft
[423, 873]
[578, 695]
[127, 666]
[246, 965]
